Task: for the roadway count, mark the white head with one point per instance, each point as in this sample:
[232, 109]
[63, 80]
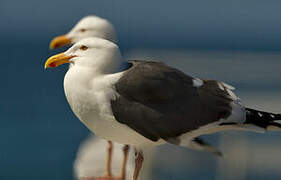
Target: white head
[101, 55]
[89, 26]
[92, 26]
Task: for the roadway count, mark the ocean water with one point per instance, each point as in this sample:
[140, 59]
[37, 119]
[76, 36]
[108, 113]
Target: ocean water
[38, 134]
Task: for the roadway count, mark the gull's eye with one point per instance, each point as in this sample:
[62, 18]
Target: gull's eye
[83, 48]
[83, 30]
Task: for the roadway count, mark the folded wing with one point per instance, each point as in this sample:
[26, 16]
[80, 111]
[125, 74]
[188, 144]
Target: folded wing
[158, 101]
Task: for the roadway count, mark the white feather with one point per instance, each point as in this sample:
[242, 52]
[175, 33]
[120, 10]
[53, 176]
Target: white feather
[197, 82]
[228, 86]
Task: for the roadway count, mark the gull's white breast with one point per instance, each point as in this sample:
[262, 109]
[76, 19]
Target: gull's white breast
[89, 96]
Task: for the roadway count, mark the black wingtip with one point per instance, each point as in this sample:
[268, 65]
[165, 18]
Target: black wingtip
[261, 118]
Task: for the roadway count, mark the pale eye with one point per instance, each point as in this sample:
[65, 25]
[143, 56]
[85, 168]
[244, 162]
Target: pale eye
[83, 48]
[83, 30]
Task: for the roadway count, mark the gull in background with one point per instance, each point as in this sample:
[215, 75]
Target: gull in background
[89, 26]
[145, 103]
[90, 160]
[92, 26]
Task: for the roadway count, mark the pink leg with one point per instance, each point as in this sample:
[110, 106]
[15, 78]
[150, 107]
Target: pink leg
[124, 164]
[138, 164]
[109, 158]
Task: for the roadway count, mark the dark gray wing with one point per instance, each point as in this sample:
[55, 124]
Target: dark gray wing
[158, 101]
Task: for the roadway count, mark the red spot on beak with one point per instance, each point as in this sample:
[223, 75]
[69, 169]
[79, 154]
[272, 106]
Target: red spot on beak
[53, 65]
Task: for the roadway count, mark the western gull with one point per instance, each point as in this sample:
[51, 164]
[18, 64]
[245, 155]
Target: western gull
[90, 160]
[145, 103]
[94, 26]
[91, 26]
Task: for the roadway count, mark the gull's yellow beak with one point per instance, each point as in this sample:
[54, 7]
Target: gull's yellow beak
[57, 60]
[60, 41]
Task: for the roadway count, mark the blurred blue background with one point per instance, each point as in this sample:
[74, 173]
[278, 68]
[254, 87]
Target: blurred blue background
[234, 41]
